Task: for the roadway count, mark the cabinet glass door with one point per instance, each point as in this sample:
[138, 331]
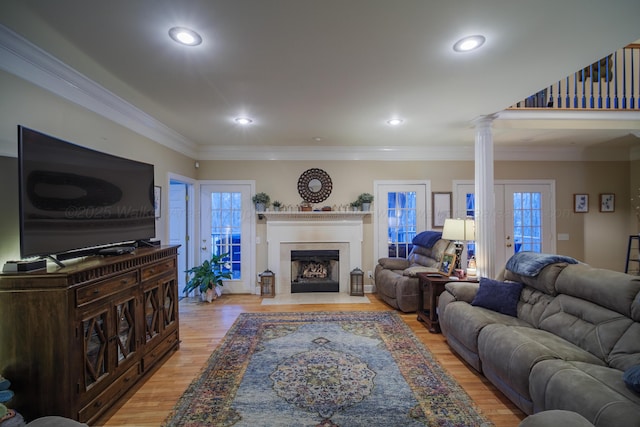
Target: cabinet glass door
[95, 348]
[126, 327]
[170, 303]
[151, 313]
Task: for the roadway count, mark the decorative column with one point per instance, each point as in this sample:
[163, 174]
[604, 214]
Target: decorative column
[485, 212]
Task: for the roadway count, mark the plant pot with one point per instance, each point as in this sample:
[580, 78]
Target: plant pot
[260, 207]
[208, 295]
[366, 206]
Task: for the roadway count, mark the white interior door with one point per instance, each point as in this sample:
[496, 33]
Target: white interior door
[524, 219]
[179, 226]
[401, 212]
[226, 215]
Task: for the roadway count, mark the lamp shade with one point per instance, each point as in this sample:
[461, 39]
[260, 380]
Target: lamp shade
[459, 229]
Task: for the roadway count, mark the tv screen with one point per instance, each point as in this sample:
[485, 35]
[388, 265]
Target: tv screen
[72, 197]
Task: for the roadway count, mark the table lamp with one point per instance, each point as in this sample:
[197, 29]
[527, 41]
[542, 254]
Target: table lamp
[459, 231]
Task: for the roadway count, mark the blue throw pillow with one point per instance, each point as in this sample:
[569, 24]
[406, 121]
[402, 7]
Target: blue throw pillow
[427, 238]
[498, 296]
[631, 378]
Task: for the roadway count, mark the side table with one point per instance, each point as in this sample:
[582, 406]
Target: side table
[433, 286]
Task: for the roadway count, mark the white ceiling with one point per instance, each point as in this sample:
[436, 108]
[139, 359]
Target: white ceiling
[336, 69]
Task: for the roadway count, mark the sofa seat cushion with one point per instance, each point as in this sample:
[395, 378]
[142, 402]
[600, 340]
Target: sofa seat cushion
[464, 322]
[598, 393]
[510, 352]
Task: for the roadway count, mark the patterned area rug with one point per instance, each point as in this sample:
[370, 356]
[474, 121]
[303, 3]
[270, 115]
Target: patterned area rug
[323, 369]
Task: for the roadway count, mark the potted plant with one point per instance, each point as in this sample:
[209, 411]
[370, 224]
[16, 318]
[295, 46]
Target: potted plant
[356, 205]
[261, 201]
[276, 205]
[365, 200]
[207, 278]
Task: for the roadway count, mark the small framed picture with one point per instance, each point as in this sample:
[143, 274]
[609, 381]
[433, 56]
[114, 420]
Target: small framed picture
[607, 202]
[446, 264]
[581, 203]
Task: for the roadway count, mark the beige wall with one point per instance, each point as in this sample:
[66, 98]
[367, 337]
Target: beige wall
[596, 238]
[24, 104]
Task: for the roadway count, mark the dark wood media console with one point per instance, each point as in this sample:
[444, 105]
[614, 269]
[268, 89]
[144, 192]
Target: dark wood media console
[74, 340]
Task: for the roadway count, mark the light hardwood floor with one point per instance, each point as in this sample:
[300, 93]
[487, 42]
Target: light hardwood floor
[203, 326]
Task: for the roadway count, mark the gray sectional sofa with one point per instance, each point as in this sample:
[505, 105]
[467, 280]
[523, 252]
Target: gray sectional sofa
[575, 332]
[395, 278]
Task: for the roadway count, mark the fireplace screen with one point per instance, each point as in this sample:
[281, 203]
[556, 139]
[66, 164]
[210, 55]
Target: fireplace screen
[315, 271]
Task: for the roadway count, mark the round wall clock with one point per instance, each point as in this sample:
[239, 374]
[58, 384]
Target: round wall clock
[314, 185]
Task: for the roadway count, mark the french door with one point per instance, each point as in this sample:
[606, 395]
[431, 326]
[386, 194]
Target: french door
[401, 213]
[226, 215]
[524, 219]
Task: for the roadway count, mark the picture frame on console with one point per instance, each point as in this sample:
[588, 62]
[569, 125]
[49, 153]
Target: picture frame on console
[580, 203]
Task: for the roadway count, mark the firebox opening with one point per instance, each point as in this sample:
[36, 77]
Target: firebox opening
[315, 271]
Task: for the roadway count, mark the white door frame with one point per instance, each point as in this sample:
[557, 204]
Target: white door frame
[248, 214]
[550, 230]
[189, 248]
[379, 209]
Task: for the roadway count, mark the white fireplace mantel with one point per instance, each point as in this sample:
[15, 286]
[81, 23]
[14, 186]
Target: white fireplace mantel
[334, 230]
[314, 215]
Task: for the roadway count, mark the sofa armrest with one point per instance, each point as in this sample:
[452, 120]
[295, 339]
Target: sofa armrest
[394, 263]
[462, 291]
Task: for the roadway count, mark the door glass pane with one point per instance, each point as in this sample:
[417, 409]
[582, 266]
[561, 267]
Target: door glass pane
[226, 236]
[471, 213]
[402, 222]
[527, 221]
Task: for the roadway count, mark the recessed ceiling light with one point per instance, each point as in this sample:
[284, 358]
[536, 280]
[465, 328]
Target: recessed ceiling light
[317, 138]
[470, 43]
[395, 122]
[243, 120]
[185, 36]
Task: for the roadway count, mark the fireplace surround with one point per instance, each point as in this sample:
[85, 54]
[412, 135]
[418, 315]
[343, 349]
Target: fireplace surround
[313, 231]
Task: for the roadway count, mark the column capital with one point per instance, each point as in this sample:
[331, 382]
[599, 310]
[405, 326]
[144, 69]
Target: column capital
[484, 121]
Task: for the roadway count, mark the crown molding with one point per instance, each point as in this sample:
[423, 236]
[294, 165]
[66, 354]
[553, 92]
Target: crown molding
[22, 58]
[451, 153]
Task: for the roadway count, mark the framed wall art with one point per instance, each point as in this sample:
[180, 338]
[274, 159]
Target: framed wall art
[157, 200]
[581, 203]
[607, 202]
[441, 208]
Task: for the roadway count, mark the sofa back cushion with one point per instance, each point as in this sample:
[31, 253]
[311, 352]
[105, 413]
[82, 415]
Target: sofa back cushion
[614, 290]
[590, 326]
[617, 329]
[532, 305]
[545, 281]
[430, 257]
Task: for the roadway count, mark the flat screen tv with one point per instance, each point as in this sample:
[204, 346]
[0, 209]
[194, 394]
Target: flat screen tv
[74, 198]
